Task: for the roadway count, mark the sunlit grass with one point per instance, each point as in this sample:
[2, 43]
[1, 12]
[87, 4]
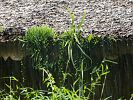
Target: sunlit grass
[68, 55]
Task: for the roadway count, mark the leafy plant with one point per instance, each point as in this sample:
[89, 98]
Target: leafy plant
[72, 62]
[64, 60]
[38, 38]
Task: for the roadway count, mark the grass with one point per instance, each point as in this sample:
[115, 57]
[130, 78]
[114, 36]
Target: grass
[71, 63]
[67, 69]
[54, 92]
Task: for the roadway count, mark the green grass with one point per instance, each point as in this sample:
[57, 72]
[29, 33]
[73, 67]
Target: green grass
[70, 65]
[65, 61]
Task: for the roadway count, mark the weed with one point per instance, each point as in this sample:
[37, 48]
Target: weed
[67, 69]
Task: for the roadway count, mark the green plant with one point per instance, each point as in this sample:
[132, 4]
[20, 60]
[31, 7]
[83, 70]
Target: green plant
[131, 96]
[61, 93]
[12, 94]
[1, 28]
[79, 88]
[39, 33]
[72, 61]
[67, 68]
[38, 38]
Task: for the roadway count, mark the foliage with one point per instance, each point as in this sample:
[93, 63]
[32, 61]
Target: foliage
[53, 92]
[68, 70]
[37, 40]
[2, 28]
[65, 56]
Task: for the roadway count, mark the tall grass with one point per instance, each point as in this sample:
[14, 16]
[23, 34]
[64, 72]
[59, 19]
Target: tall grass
[53, 92]
[64, 60]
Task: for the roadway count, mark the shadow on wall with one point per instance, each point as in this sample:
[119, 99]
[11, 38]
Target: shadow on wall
[119, 82]
[22, 70]
[11, 50]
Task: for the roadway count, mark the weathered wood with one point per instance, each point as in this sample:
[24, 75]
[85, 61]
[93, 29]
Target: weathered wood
[11, 49]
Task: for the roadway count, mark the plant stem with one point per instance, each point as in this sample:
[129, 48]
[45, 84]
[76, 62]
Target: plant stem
[103, 87]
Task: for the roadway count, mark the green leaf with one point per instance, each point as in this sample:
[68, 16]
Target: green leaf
[108, 98]
[75, 36]
[2, 28]
[90, 37]
[14, 79]
[132, 95]
[82, 21]
[84, 53]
